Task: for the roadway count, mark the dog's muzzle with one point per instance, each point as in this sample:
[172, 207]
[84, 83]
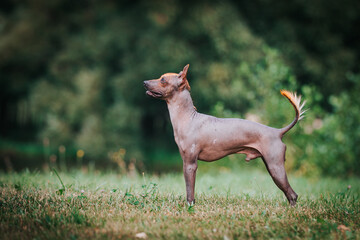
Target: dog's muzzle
[150, 92]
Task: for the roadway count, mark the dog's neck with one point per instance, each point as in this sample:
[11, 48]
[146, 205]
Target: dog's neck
[181, 109]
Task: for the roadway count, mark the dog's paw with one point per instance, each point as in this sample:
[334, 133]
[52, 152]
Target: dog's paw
[192, 203]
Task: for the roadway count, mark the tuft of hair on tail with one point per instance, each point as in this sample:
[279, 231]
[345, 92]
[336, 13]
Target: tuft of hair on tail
[295, 100]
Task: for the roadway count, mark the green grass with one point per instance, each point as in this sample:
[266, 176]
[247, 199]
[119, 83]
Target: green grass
[229, 205]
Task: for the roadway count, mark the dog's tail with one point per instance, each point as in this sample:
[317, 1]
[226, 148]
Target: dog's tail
[298, 106]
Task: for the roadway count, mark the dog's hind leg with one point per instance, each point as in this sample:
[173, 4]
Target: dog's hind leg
[274, 162]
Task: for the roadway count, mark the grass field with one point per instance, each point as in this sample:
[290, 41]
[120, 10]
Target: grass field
[230, 205]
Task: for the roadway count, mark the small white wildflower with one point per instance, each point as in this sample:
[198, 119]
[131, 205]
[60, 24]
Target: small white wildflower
[141, 235]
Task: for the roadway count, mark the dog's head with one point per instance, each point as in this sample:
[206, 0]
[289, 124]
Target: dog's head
[168, 84]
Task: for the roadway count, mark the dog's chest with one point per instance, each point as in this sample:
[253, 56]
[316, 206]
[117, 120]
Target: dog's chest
[185, 142]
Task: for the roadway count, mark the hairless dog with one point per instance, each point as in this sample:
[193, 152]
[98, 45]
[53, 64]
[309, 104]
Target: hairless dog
[207, 138]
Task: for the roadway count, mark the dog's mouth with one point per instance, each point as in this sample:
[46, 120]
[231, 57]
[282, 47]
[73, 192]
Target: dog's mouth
[154, 94]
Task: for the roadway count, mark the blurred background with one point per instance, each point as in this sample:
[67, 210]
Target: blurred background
[72, 72]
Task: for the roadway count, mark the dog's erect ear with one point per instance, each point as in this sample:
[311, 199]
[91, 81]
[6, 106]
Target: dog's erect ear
[184, 82]
[183, 73]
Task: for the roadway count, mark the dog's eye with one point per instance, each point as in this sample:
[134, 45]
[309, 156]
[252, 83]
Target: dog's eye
[163, 80]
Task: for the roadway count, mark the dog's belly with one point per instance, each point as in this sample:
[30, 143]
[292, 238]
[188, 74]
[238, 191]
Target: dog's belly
[213, 154]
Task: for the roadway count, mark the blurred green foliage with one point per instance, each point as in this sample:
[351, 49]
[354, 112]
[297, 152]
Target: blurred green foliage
[72, 72]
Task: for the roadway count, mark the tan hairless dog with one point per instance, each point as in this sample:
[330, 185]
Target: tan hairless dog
[207, 138]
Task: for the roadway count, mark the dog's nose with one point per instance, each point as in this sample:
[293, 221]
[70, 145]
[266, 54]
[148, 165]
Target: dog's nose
[146, 84]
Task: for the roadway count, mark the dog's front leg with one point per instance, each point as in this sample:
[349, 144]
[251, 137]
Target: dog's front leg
[189, 168]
